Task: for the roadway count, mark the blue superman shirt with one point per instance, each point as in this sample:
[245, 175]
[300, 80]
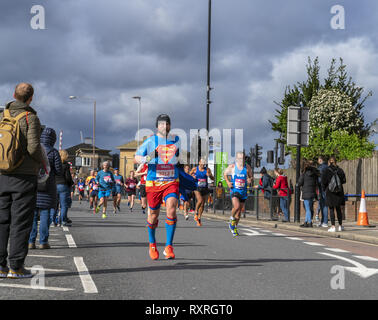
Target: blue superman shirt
[164, 153]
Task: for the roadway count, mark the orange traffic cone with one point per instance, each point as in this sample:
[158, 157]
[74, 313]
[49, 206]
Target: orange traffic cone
[362, 215]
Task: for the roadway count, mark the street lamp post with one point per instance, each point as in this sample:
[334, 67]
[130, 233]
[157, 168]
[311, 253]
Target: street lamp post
[94, 124]
[139, 111]
[208, 70]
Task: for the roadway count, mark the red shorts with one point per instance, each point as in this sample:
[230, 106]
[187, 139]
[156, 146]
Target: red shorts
[155, 195]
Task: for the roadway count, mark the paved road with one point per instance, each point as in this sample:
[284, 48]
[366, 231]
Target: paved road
[108, 259]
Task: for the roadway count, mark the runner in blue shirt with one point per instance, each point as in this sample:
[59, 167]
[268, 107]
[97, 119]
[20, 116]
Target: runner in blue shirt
[241, 176]
[117, 190]
[106, 181]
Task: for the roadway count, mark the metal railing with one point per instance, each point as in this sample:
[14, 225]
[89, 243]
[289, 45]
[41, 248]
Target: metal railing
[256, 205]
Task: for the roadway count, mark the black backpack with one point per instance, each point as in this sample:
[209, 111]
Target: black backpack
[335, 185]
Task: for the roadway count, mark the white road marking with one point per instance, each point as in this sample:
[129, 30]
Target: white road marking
[85, 277]
[359, 268]
[34, 288]
[336, 250]
[45, 256]
[249, 232]
[294, 238]
[366, 258]
[65, 229]
[314, 244]
[265, 230]
[278, 234]
[70, 241]
[46, 269]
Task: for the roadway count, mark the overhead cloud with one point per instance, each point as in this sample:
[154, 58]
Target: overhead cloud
[113, 50]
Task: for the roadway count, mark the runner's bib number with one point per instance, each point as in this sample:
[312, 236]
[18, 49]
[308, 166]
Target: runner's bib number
[131, 186]
[165, 171]
[239, 183]
[118, 181]
[202, 182]
[95, 187]
[107, 179]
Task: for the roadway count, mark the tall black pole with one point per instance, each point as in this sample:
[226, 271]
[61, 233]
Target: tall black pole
[276, 155]
[208, 70]
[297, 209]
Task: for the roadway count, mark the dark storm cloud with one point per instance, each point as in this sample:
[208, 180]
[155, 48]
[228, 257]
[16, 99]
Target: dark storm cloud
[113, 50]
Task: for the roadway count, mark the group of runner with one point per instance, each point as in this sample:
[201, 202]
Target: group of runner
[105, 183]
[166, 181]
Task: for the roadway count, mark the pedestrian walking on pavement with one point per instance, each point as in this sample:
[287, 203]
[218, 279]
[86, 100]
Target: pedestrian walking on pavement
[332, 182]
[47, 193]
[64, 184]
[310, 184]
[18, 186]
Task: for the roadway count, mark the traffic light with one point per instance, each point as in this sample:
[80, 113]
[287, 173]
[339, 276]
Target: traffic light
[270, 156]
[248, 160]
[258, 155]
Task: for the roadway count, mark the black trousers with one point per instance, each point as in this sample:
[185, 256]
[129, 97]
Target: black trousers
[339, 215]
[18, 196]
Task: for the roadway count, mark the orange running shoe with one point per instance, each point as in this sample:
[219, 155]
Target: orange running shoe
[168, 252]
[154, 253]
[199, 223]
[196, 217]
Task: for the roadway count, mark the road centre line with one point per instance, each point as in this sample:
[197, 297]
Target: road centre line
[86, 279]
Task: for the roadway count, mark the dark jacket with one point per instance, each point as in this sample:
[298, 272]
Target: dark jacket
[309, 181]
[29, 138]
[48, 199]
[266, 186]
[65, 177]
[322, 169]
[333, 199]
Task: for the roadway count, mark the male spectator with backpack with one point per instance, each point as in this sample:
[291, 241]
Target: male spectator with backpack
[18, 181]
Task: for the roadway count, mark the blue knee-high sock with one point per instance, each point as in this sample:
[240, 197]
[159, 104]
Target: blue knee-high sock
[151, 231]
[170, 227]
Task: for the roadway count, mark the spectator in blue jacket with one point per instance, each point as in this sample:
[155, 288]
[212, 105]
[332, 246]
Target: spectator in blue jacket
[46, 195]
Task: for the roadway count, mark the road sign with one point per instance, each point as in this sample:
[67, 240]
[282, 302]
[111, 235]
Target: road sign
[298, 126]
[258, 155]
[221, 163]
[78, 162]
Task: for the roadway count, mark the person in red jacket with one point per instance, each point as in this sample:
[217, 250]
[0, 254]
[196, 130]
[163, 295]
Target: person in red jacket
[283, 191]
